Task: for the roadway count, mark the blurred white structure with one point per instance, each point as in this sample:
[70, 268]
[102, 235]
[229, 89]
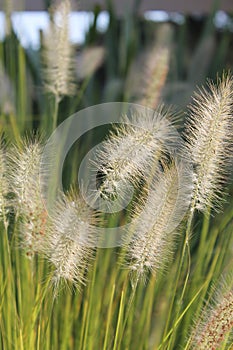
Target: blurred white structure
[121, 6]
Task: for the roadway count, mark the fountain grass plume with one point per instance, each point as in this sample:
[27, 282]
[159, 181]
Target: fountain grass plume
[24, 179]
[209, 132]
[59, 65]
[216, 321]
[154, 224]
[4, 184]
[133, 148]
[70, 240]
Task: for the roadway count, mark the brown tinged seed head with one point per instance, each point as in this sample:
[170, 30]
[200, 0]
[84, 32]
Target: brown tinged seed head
[215, 323]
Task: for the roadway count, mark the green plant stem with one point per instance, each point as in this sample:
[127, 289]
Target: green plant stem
[55, 111]
[204, 291]
[181, 316]
[119, 321]
[185, 246]
[109, 318]
[134, 285]
[81, 92]
[203, 237]
[84, 346]
[37, 309]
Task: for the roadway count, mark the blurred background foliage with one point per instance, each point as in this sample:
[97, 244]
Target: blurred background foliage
[136, 59]
[118, 65]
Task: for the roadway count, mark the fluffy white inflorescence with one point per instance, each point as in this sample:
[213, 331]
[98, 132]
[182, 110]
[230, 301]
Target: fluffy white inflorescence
[148, 73]
[209, 132]
[130, 153]
[58, 52]
[155, 76]
[215, 324]
[89, 60]
[3, 183]
[24, 167]
[154, 225]
[69, 246]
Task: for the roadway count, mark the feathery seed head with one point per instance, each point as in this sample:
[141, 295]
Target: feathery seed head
[132, 150]
[24, 166]
[153, 229]
[88, 61]
[215, 322]
[155, 76]
[147, 75]
[209, 132]
[70, 239]
[58, 53]
[4, 187]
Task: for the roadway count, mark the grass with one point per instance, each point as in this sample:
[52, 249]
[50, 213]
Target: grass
[112, 311]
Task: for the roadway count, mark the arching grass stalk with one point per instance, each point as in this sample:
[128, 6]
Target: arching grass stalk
[216, 321]
[178, 275]
[178, 320]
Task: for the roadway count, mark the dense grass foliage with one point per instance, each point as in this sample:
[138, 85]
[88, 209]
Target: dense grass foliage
[156, 291]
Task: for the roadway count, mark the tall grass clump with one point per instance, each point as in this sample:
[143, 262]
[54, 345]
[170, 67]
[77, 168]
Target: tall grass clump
[155, 288]
[157, 242]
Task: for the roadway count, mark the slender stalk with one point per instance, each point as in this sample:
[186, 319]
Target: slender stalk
[55, 112]
[178, 320]
[87, 324]
[134, 285]
[204, 232]
[40, 297]
[109, 318]
[185, 246]
[119, 321]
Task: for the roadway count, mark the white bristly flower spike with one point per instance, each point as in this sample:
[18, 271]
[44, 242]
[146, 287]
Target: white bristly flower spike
[209, 133]
[148, 73]
[4, 187]
[69, 247]
[129, 153]
[59, 64]
[24, 166]
[88, 61]
[153, 230]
